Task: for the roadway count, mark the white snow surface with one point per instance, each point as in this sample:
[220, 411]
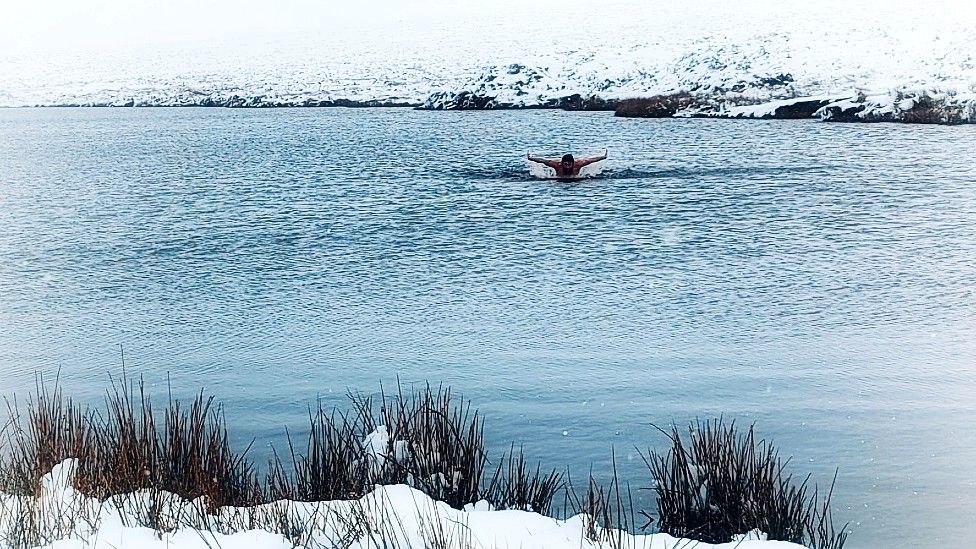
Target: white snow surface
[399, 514]
[743, 52]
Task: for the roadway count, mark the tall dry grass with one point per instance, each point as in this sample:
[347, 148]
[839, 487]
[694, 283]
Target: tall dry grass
[175, 467]
[720, 481]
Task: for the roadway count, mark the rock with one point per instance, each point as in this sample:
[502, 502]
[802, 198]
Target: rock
[843, 110]
[904, 106]
[657, 106]
[462, 101]
[577, 102]
[783, 109]
[798, 110]
[927, 110]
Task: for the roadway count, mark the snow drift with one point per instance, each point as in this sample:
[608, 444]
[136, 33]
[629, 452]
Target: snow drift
[389, 517]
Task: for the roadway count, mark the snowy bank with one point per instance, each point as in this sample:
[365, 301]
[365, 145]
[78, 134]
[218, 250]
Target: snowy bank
[732, 55]
[905, 105]
[411, 474]
[920, 106]
[387, 517]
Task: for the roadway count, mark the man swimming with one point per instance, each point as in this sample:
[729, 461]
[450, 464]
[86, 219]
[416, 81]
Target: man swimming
[568, 167]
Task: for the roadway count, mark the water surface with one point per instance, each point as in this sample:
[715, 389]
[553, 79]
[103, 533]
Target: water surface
[816, 279]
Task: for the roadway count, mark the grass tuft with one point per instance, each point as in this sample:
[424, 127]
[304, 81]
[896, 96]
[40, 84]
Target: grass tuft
[333, 466]
[435, 444]
[720, 482]
[190, 456]
[516, 486]
[52, 429]
[175, 468]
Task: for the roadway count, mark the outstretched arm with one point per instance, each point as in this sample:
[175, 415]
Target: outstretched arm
[592, 160]
[541, 160]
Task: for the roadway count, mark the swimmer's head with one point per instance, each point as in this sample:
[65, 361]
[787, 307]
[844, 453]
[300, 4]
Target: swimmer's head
[568, 160]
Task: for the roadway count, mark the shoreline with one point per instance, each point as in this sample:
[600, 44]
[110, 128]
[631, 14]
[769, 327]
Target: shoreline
[394, 468]
[920, 108]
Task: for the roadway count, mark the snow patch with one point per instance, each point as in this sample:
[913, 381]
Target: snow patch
[401, 515]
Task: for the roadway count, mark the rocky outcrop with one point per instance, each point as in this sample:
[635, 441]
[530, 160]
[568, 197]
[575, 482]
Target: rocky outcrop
[686, 105]
[804, 108]
[658, 106]
[905, 106]
[784, 109]
[577, 102]
[496, 88]
[462, 101]
[239, 102]
[517, 86]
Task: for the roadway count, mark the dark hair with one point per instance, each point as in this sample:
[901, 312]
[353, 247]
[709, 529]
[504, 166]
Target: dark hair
[568, 158]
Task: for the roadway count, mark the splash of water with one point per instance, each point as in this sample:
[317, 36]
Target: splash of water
[541, 171]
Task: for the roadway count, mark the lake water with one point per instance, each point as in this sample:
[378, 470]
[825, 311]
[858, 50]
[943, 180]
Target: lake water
[816, 279]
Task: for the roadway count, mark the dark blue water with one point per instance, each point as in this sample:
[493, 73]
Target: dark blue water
[815, 279]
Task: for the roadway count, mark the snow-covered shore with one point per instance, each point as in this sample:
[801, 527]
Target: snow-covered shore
[389, 516]
[735, 57]
[412, 475]
[919, 106]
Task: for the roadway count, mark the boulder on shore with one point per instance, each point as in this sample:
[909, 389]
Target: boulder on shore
[657, 106]
[905, 106]
[902, 106]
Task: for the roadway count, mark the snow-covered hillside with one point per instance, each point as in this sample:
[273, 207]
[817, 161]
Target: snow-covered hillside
[586, 54]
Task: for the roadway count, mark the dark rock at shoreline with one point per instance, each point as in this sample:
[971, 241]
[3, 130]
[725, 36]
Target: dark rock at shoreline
[842, 113]
[657, 106]
[904, 107]
[351, 104]
[927, 110]
[843, 110]
[576, 102]
[238, 102]
[798, 110]
[463, 101]
[470, 101]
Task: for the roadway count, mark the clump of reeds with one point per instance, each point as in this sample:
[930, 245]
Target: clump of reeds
[609, 514]
[716, 483]
[720, 482]
[124, 451]
[52, 429]
[435, 444]
[123, 456]
[430, 440]
[190, 456]
[515, 486]
[332, 467]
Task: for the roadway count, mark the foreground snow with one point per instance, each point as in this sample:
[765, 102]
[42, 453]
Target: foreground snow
[736, 54]
[390, 516]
